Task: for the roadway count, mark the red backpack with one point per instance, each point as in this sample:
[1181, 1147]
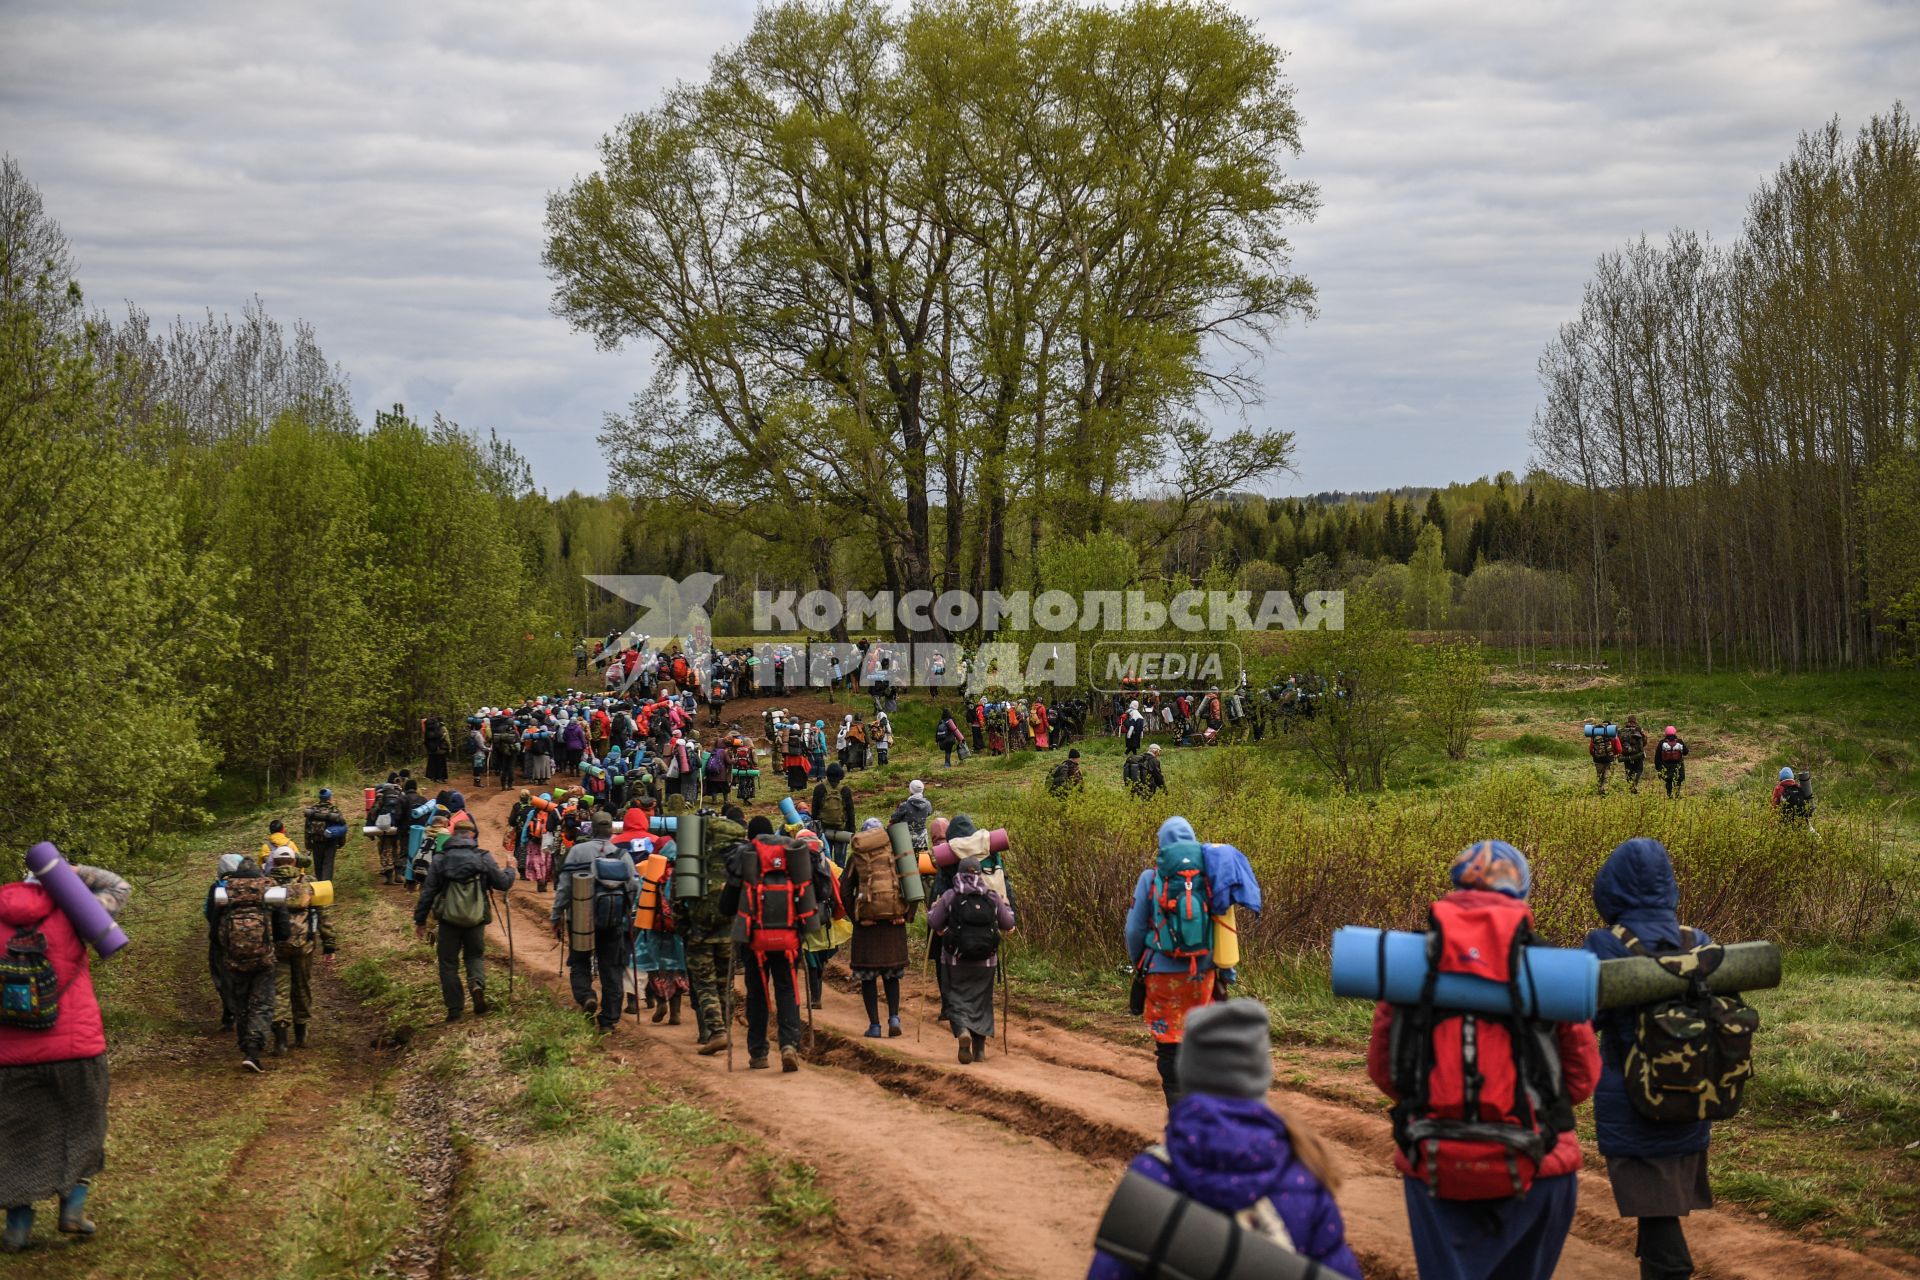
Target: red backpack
[772, 902]
[1482, 1101]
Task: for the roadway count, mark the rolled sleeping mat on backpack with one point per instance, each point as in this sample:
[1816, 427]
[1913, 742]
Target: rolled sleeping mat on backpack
[70, 893]
[1557, 984]
[371, 792]
[944, 854]
[1601, 730]
[900, 836]
[936, 830]
[663, 826]
[1631, 980]
[580, 927]
[689, 863]
[275, 897]
[1160, 1232]
[789, 811]
[1226, 940]
[322, 894]
[745, 773]
[372, 832]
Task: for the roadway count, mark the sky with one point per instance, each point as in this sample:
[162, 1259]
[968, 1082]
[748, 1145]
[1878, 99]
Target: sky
[381, 170]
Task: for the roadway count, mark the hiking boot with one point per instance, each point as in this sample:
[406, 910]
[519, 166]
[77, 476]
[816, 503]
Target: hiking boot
[893, 1027]
[873, 1031]
[453, 1015]
[226, 1020]
[757, 1064]
[673, 1012]
[716, 1045]
[633, 1003]
[966, 1050]
[299, 1035]
[279, 1039]
[789, 1059]
[252, 1063]
[480, 1005]
[979, 1047]
[659, 1012]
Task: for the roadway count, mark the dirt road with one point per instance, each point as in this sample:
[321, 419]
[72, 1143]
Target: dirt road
[1007, 1164]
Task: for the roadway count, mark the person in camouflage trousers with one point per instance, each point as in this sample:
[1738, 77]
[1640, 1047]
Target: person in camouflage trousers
[309, 927]
[708, 933]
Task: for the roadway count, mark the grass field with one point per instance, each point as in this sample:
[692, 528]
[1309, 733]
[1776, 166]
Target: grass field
[1830, 1138]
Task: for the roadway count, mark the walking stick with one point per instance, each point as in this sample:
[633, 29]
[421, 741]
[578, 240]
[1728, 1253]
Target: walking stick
[506, 913]
[726, 1006]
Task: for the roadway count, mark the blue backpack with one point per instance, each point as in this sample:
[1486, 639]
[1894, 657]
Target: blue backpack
[1182, 921]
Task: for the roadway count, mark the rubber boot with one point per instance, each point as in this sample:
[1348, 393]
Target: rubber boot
[633, 1004]
[660, 1011]
[73, 1212]
[673, 1011]
[480, 1005]
[279, 1039]
[299, 1035]
[19, 1228]
[979, 1047]
[893, 1026]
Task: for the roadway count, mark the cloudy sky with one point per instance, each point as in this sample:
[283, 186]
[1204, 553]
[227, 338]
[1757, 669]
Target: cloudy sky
[381, 170]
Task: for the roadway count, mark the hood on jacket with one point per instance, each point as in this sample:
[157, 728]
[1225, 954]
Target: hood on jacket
[1636, 887]
[918, 809]
[960, 825]
[1176, 830]
[1228, 1152]
[23, 905]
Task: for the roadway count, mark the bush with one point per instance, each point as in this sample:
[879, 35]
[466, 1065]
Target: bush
[1381, 860]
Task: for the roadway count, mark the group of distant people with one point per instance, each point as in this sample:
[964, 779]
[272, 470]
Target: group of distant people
[1626, 744]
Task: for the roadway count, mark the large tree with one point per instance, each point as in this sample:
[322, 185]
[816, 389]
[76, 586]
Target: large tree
[904, 273]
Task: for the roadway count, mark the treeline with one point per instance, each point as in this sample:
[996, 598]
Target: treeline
[1743, 420]
[210, 565]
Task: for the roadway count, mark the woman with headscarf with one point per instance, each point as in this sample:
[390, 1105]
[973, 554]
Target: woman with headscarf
[914, 811]
[1658, 1169]
[1488, 1237]
[970, 917]
[842, 740]
[946, 736]
[53, 1078]
[434, 739]
[817, 749]
[880, 737]
[1134, 725]
[1042, 726]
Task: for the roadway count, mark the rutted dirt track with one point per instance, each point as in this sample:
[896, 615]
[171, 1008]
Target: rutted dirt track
[1013, 1159]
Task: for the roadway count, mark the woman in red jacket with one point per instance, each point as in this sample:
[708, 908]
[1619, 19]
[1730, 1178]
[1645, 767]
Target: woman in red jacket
[53, 1081]
[1467, 1219]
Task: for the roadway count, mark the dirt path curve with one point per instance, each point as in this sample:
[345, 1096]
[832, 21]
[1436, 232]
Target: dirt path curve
[1037, 1137]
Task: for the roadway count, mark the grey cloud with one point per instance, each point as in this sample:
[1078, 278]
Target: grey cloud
[381, 170]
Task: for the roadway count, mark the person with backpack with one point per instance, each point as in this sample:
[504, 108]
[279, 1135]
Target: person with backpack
[251, 930]
[1657, 1162]
[456, 891]
[716, 775]
[516, 831]
[946, 736]
[705, 925]
[880, 738]
[606, 871]
[415, 813]
[1670, 761]
[770, 892]
[881, 950]
[1169, 937]
[830, 928]
[1226, 1147]
[326, 831]
[504, 746]
[1601, 749]
[1134, 726]
[53, 1057]
[1066, 776]
[1490, 1196]
[832, 810]
[659, 953]
[1633, 753]
[216, 965]
[1793, 797]
[916, 810]
[970, 917]
[1143, 775]
[309, 928]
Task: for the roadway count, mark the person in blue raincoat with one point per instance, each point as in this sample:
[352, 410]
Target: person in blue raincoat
[1658, 1169]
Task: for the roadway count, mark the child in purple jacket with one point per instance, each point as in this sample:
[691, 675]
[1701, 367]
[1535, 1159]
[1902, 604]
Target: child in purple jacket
[1227, 1149]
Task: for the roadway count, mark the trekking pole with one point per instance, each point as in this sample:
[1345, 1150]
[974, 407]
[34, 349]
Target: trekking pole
[506, 913]
[1006, 1005]
[726, 1007]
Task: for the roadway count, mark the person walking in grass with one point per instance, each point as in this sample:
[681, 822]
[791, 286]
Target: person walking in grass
[53, 1062]
[456, 892]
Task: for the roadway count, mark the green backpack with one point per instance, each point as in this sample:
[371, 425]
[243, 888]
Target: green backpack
[463, 903]
[703, 916]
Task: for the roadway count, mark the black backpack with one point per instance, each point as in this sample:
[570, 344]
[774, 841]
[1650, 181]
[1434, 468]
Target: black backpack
[973, 927]
[1130, 771]
[1690, 1057]
[1061, 778]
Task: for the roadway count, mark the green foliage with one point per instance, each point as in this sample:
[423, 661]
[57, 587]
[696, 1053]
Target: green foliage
[1891, 505]
[1364, 670]
[1449, 688]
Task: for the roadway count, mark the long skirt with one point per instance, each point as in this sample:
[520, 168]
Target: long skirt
[53, 1127]
[970, 998]
[539, 861]
[1170, 998]
[436, 766]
